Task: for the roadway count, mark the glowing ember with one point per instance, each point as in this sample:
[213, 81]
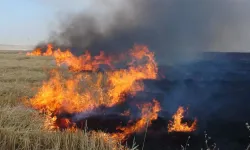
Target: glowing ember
[177, 125]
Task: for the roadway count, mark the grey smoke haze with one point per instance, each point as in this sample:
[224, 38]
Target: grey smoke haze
[171, 28]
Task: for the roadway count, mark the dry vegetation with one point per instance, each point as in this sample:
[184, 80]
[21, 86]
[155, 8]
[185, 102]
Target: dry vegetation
[21, 127]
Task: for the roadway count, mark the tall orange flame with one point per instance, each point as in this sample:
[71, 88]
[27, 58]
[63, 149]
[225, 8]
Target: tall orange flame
[49, 51]
[86, 91]
[177, 125]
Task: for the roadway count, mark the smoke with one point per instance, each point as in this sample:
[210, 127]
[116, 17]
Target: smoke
[174, 29]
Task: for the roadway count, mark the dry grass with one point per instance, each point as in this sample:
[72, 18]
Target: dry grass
[21, 127]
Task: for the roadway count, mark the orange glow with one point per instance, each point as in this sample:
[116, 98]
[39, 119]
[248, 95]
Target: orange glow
[86, 91]
[107, 139]
[127, 80]
[36, 52]
[58, 95]
[177, 125]
[85, 88]
[49, 122]
[49, 51]
[76, 64]
[81, 63]
[149, 113]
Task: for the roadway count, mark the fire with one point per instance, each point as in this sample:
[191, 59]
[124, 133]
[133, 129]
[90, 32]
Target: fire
[149, 113]
[49, 122]
[92, 63]
[58, 95]
[83, 62]
[125, 80]
[177, 125]
[49, 51]
[76, 64]
[107, 139]
[87, 91]
[36, 52]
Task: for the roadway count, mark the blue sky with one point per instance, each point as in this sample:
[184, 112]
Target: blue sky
[26, 22]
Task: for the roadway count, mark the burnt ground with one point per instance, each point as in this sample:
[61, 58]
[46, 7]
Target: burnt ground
[215, 89]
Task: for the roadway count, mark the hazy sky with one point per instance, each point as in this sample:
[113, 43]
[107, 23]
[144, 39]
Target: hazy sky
[27, 22]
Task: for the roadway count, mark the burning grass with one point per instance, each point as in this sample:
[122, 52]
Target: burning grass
[55, 96]
[177, 125]
[62, 95]
[22, 128]
[85, 92]
[63, 99]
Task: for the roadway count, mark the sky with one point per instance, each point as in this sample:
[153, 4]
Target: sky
[27, 22]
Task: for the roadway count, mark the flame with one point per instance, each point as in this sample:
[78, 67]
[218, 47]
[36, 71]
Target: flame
[83, 62]
[86, 91]
[149, 113]
[177, 125]
[36, 52]
[107, 139]
[49, 122]
[76, 64]
[49, 51]
[125, 80]
[92, 63]
[60, 95]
